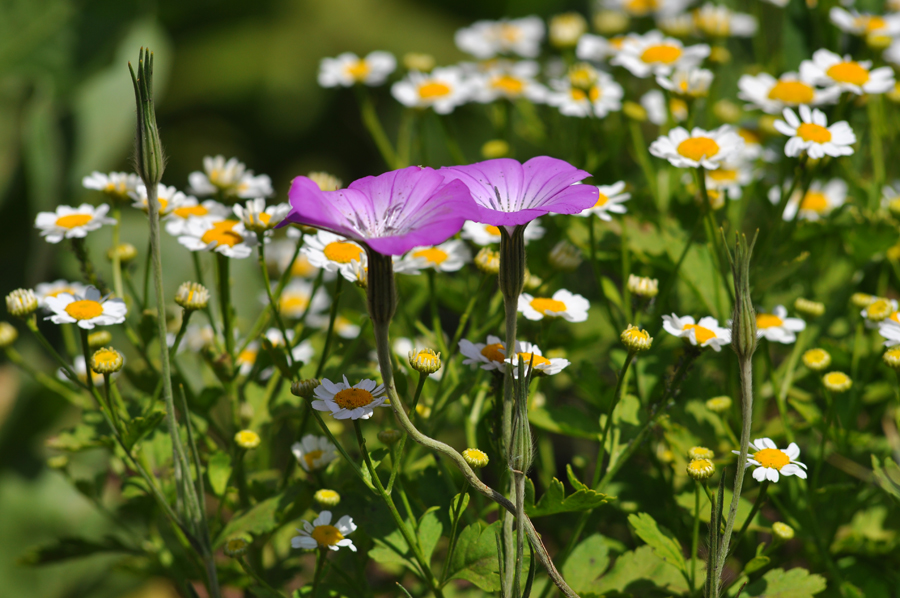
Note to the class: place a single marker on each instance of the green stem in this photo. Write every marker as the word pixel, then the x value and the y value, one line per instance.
pixel 339 447
pixel 320 566
pixel 273 303
pixel 32 326
pixel 456 517
pixel 673 276
pixel 617 395
pixel 116 262
pixel 757 505
pixel 397 464
pixel 89 374
pixel 329 334
pixel 782 402
pixel 224 280
pixel 185 318
pixel 643 158
pixel 876 126
pixel 49 383
pixel 695 537
pixel 373 124
pixel 435 313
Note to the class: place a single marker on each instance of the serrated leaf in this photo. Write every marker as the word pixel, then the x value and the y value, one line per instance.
pixel 663 543
pixel 80 438
pixel 573 479
pixel 73 548
pixel 218 470
pixel 567 420
pixel 139 427
pixel 475 558
pixel 554 500
pixel 429 532
pixel 756 563
pixel 393 549
pixel 589 559
pixel 642 573
pixel 778 583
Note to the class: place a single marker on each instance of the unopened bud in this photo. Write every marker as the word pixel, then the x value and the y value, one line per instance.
pixel 488 260
pixel 417 61
pixel 475 458
pixel 99 338
pixel 700 469
pixel 700 452
pixel 891 358
pixel 425 361
pixel 719 404
pixel 58 462
pixel 862 300
pixel 720 55
pixel 837 381
pixel 495 148
pixel 566 29
pixel 727 111
pixel 816 359
pixel 8 334
pixel 236 546
pixel 192 296
pixel 810 309
pixel 107 361
pixel 21 303
pixel 247 439
pixel 642 286
pixel 126 252
pixel 743 325
pixel 636 339
pixel 389 436
pixel 565 256
pixel 148 159
pixel 304 388
pixel 611 22
pixel 327 498
pixel 325 181
pixel 782 531
pixel 634 111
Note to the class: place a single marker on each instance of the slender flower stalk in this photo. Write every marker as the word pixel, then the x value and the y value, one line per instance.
pixel 329 334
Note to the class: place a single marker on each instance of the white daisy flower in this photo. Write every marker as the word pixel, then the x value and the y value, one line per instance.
pixel 771 461
pixel 510 81
pixel 228 237
pixel 278 258
pixel 256 217
pixel 677 25
pixel 295 299
pixel 880 310
pixel 654 102
pixel 890 329
pixel 586 92
pixel 88 310
pixel 776 327
pixel 753 148
pixel 530 354
pixel 693 83
pixel 81 371
pixel 443 89
pixel 827 68
pixel 892 54
pixel 230 177
pixel 655 54
pixel 594 48
pixel 563 304
pixel 117 185
pixel 333 253
pixel 642 8
pixel 321 534
pixel 708 149
pixel 730 177
pixel 819 201
pixel 609 201
pixel 488 356
pixel 862 24
pixel 706 333
pixel 349 402
pixel 177 219
pixel 302 352
pixel 246 359
pixel 771 95
pixel 314 452
pixel 45 290
pixel 720 21
pixel 348 69
pixel 71 223
pixel 813 135
pixel 449 256
pixel 343 327
pixel 486 39
pixel 169 199
pixel 487 234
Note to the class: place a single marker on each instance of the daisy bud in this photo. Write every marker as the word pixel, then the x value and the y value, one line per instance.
pixel 611 22
pixel 893 94
pixel 816 359
pixel 236 546
pixel 701 469
pixel 743 326
pixel 878 310
pixel 325 181
pixel 425 361
pixel 878 40
pixel 782 531
pixel 495 148
pixel 8 334
pixel 862 300
pixel 719 55
pixel 636 339
pixel 891 357
pixel 488 261
pixel 417 61
pixel 566 29
pixel 107 361
pixel 837 381
pixel 21 303
pixel 641 286
pixel 148 159
pixel 565 256
pixel 810 309
pixel 634 111
pixel 727 111
pixel 389 436
pixel 475 458
pixel 125 251
pixel 326 497
pixel 247 439
pixel 99 338
pixel 304 388
pixel 361 274
pixel 719 404
pixel 192 296
pixel 58 462
pixel 700 452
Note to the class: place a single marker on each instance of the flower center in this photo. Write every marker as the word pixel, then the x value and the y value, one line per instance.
pixel 326 535
pixel 773 458
pixel 582 77
pixel 508 84
pixel 543 305
pixel 538 359
pixel 311 457
pixel 878 310
pixel 247 356
pixel 700 333
pixel 84 309
pixel 73 220
pixel 722 175
pixel 221 234
pixel 871 23
pixel 662 53
pixel 302 267
pixel 432 255
pixel 105 357
pixel 594 93
pixel 358 70
pixel 578 94
pixel 293 303
pixel 351 398
pixel 768 321
pixel 814 201
pixel 848 72
pixel 492 230
pixel 641 7
pixel 792 92
pixel 188 211
pixel 433 90
pixel 697 148
pixel 813 132
pixel 836 378
pixel 601 201
pixel 342 252
pixel 494 352
pixel 816 356
pixel 749 136
pixel 115 188
pixel 509 33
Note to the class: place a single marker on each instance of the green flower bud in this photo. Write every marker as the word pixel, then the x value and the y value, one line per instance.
pixel 21 303
pixel 8 334
pixel 326 497
pixel 389 436
pixel 99 338
pixel 304 388
pixel 743 326
pixel 475 458
pixel 149 161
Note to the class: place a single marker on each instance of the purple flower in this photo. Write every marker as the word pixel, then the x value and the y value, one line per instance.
pixel 391 213
pixel 509 193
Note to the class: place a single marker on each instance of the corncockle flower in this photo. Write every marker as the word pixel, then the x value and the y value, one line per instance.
pixel 87 310
pixel 349 402
pixel 486 39
pixel 771 461
pixel 772 95
pixel 487 234
pixel 530 355
pixel 595 95
pixel 827 68
pixel 117 185
pixel 820 200
pixel 563 304
pixel 508 80
pixel 44 290
pixel 708 149
pixel 720 21
pixel 443 89
pixel 777 327
pixel 314 452
pixel 190 207
pixel 813 135
pixel 609 201
pixel 654 103
pixel 321 534
pixel 655 54
pixel 488 356
pixel 446 257
pixel 706 333
pixel 168 198
pixel 693 83
pixel 231 178
pixel 228 237
pixel 258 218
pixel 348 69
pixel 863 24
pixel 71 223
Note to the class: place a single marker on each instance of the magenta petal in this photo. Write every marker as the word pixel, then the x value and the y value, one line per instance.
pixel 327 210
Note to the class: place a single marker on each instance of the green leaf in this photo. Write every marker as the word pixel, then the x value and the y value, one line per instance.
pixel 641 573
pixel 887 477
pixel 567 420
pixel 778 583
pixel 429 532
pixel 663 543
pixel 73 548
pixel 589 559
pixel 686 501
pixel 756 563
pixel 80 438
pixel 139 427
pixel 475 558
pixel 377 456
pixel 554 500
pixel 219 471
pixel 611 292
pixel 262 518
pixel 809 411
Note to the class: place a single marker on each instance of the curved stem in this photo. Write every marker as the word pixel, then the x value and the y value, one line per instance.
pixel 116 261
pixel 320 566
pixel 224 280
pixel 329 335
pixel 757 505
pixel 273 303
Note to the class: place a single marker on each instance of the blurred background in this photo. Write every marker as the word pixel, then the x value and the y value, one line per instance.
pixel 233 77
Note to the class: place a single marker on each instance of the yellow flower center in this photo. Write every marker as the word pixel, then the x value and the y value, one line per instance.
pixel 433 90
pixel 773 458
pixel 879 310
pixel 293 304
pixel 351 398
pixel 247 437
pixel 342 252
pixel 814 201
pixel 816 356
pixel 723 175
pixel 358 70
pixel 768 321
pixel 836 379
pixel 700 465
pixel 84 309
pixel 247 356
pixel 641 7
pixel 792 92
pixel 813 132
pixel 543 305
pixel 508 84
pixel 105 357
pixel 60 292
pixel 222 234
pixel 326 535
pixel 492 230
pixel 582 76
pixel 538 360
pixel 311 457
pixel 697 148
pixel 302 267
pixel 870 23
pixel 494 352
pixel 601 201
pixel 578 94
pixel 188 211
pixel 749 136
pixel 432 255
pixel 73 220
pixel 115 188
pixel 661 53
pixel 700 333
pixel 848 72
pixel 508 33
